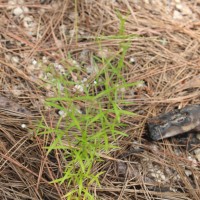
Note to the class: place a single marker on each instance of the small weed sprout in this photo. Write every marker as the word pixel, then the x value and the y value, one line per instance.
pixel 87 135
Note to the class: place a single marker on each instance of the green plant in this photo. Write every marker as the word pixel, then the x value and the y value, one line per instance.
pixel 86 135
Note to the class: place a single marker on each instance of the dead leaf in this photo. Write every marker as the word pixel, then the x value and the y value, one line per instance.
pixel 192 83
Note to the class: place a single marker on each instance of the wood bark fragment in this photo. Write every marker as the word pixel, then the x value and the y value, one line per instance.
pixel 175 122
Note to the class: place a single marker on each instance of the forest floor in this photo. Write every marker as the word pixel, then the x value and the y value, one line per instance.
pixel 79 80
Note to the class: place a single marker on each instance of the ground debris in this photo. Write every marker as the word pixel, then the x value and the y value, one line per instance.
pixel 44 39
pixel 12 106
